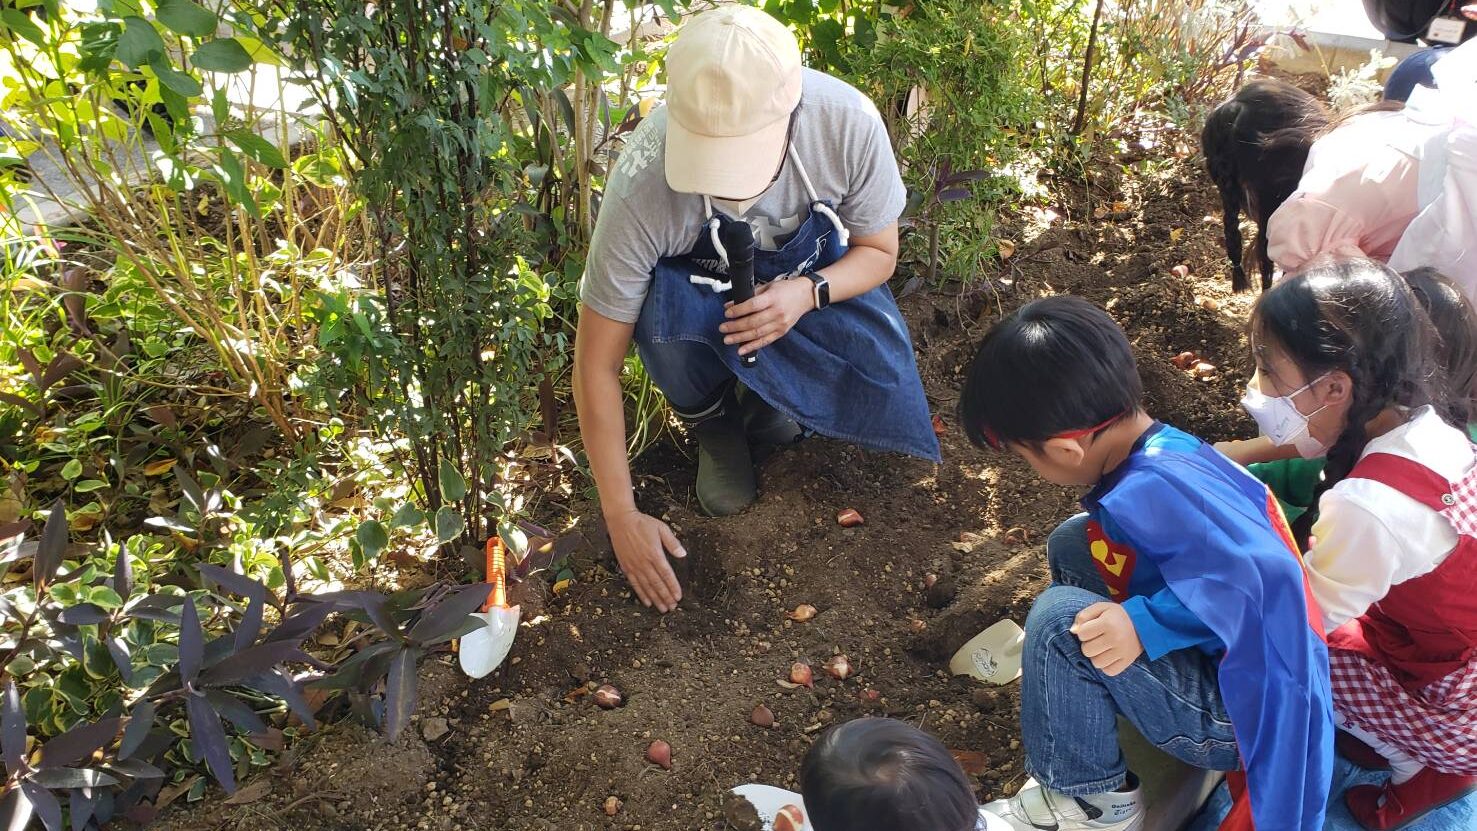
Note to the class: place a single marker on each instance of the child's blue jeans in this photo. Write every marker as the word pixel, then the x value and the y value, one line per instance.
pixel 1069 709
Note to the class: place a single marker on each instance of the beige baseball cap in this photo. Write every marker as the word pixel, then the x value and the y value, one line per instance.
pixel 733 79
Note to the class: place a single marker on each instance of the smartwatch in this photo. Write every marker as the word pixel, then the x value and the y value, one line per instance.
pixel 822 288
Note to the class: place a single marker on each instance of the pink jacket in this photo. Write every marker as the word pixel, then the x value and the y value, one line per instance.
pixel 1357 195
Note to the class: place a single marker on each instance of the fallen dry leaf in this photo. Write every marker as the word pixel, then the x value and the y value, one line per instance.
pixel 251 793
pixel 1006 249
pixel 160 467
pixel 1175 234
pixel 973 762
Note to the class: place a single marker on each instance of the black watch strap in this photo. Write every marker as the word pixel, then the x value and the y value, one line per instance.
pixel 821 287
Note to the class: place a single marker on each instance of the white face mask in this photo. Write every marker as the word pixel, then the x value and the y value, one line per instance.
pixel 1282 422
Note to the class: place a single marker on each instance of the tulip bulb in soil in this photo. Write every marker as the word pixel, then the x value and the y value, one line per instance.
pixel 789 818
pixel 849 518
pixel 802 613
pixel 761 716
pixel 612 806
pixel 659 753
pixel 839 667
pixel 607 697
pixel 800 673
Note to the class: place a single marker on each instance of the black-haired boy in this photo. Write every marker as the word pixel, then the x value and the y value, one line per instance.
pixel 1178 599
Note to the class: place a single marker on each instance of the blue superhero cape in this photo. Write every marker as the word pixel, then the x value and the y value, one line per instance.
pixel 1219 539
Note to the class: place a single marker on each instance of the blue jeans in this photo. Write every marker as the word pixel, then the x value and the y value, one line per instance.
pixel 1069 708
pixel 688 373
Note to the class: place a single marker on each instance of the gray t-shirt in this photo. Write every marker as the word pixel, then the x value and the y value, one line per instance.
pixel 842 143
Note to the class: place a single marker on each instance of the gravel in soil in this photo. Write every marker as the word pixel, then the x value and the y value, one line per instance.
pixel 943 551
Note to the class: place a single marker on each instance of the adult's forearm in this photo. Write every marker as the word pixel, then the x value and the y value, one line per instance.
pixel 597 397
pixel 860 270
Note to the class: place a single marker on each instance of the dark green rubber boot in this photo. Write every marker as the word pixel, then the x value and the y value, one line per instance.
pixel 766 426
pixel 725 470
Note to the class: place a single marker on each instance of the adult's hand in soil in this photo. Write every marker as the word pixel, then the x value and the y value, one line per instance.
pixel 768 316
pixel 642 544
pixel 1108 637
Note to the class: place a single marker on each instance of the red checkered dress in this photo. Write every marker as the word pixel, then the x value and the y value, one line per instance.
pixel 1407 670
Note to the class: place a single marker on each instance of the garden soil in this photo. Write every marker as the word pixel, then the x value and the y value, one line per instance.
pixel 944 551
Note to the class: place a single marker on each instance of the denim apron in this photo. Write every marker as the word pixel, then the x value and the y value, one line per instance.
pixel 846 371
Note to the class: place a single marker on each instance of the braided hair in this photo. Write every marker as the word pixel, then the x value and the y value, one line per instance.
pixel 1359 317
pixel 1255 146
pixel 1455 352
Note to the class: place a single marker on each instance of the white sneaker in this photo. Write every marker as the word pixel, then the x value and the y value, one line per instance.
pixel 1041 809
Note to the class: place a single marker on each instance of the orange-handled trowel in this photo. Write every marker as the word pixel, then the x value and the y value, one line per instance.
pixel 483 650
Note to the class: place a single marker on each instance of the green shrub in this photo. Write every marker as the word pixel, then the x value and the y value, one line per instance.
pixel 188 193
pixel 960 108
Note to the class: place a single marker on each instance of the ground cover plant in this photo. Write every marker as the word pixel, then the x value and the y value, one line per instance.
pixel 300 347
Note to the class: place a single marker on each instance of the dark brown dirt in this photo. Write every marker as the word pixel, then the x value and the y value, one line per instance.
pixel 529 750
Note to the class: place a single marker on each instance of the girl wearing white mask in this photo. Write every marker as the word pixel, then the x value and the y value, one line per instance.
pixel 1344 369
pixel 1293 478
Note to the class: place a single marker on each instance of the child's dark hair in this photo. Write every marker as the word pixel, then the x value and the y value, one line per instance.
pixel 1357 316
pixel 1255 146
pixel 1055 365
pixel 879 774
pixel 1455 324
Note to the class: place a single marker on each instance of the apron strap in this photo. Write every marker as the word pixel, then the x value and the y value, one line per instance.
pixel 815 202
pixel 714 224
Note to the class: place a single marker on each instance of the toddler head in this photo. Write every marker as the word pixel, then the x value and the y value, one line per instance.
pixel 879 774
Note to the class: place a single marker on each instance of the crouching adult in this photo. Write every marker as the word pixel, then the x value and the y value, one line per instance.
pixel 803 160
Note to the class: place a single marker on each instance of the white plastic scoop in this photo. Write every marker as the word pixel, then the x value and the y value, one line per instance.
pixel 993 655
pixel 483 650
pixel 768 800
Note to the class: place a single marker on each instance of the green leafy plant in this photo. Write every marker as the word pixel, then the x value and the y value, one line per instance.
pixel 441 127
pixel 960 109
pixel 132 109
